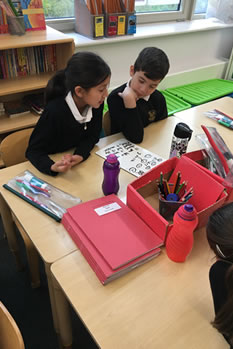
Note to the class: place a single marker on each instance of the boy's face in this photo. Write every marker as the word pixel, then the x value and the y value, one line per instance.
pixel 140 84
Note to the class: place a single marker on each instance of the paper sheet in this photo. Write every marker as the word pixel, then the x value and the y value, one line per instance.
pixel 133 159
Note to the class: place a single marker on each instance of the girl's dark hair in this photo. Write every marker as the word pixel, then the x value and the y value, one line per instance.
pixel 85 69
pixel 153 62
pixel 220 237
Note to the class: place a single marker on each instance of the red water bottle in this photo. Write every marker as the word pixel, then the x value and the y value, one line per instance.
pixel 180 238
pixel 111 169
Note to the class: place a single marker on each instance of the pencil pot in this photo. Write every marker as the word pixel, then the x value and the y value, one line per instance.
pixel 168 208
pixel 179 241
pixel 16 25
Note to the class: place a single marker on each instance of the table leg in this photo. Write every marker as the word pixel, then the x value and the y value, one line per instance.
pixel 63 316
pixel 51 296
pixel 9 228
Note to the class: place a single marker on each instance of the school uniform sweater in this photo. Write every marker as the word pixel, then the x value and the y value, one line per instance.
pixel 57 131
pixel 217 277
pixel 131 121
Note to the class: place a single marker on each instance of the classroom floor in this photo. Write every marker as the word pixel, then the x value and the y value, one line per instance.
pixel 31 307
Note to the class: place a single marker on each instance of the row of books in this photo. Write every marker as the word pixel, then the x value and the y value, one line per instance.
pixel 27 61
pixel 30 103
pixel 96 18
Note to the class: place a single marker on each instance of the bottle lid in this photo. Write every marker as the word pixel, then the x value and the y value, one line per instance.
pixel 187 212
pixel 112 158
pixel 182 130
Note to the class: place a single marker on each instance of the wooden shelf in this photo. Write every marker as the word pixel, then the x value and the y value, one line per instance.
pixel 16 88
pixel 17 123
pixel 24 83
pixel 34 38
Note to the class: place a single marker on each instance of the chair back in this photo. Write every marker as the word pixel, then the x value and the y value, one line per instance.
pixel 10 335
pixel 13 147
pixel 107 123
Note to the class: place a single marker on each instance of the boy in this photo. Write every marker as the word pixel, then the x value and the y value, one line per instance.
pixel 136 104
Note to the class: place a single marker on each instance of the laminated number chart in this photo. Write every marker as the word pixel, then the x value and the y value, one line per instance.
pixel 133 159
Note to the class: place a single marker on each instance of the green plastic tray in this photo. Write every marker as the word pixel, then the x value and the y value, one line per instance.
pixel 203 91
pixel 174 103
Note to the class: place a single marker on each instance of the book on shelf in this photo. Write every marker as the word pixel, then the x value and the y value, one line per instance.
pixel 3 22
pixel 33 13
pixel 35 102
pixel 16 108
pixel 112 238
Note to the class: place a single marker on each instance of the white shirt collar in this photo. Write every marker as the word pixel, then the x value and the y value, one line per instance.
pixel 86 116
pixel 146 98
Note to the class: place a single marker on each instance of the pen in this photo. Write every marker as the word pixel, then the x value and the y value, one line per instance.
pixel 45 191
pixel 225 124
pixel 228 116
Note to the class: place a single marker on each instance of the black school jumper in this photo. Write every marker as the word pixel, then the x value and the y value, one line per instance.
pixel 57 131
pixel 131 121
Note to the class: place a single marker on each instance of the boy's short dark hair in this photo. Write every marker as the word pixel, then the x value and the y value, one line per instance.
pixel 153 62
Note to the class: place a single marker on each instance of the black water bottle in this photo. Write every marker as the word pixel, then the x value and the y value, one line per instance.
pixel 181 137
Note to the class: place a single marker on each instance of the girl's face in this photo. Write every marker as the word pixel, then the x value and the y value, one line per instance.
pixel 95 96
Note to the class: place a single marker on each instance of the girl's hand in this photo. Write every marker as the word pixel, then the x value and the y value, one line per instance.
pixel 61 166
pixel 75 159
pixel 129 97
pixel 66 163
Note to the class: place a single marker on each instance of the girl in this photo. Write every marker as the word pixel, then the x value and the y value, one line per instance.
pixel 72 117
pixel 220 238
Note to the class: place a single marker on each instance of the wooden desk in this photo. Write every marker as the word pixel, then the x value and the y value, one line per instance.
pixel 160 305
pixel 195 117
pixel 50 238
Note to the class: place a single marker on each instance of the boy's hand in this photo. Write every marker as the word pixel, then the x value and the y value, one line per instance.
pixel 66 163
pixel 129 97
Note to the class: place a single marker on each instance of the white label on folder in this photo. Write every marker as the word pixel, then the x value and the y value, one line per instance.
pixel 107 209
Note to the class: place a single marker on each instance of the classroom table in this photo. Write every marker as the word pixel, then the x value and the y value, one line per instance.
pixel 161 304
pixel 84 181
pixel 195 117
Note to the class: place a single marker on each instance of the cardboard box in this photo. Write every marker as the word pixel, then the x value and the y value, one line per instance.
pixel 142 194
pixel 200 160
pixel 86 23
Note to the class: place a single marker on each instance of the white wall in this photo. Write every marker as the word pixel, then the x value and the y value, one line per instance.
pixel 194 56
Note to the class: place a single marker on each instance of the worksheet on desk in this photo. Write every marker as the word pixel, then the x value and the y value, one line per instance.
pixel 133 159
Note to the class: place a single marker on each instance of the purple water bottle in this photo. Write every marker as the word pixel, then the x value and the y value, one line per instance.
pixel 111 168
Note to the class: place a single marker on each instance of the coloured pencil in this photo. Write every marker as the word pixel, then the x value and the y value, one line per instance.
pixel 177 182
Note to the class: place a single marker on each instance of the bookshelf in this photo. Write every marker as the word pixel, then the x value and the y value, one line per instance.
pixel 17 87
